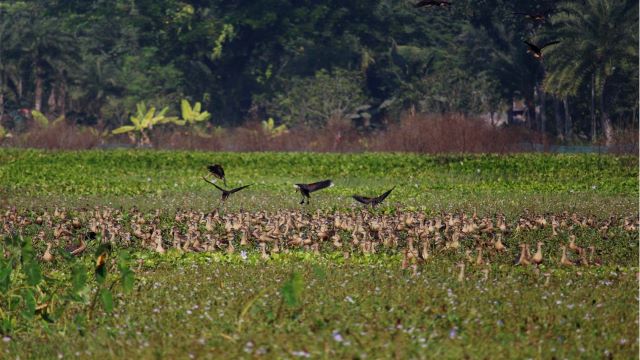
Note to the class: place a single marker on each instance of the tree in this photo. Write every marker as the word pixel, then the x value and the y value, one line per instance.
pixel 599 39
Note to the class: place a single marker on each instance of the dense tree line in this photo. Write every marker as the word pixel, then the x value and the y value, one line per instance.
pixel 303 62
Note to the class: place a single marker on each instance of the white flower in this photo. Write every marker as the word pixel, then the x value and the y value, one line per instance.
pixel 301 354
pixel 243 255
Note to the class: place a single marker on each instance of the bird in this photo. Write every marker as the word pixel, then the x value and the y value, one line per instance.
pixel 48 257
pixel 226 193
pixel 563 259
pixel 217 171
pixel 522 259
pixel 536 51
pixel 593 260
pixel 76 249
pixel 373 201
pixel 536 17
pixel 307 189
pixel 461 274
pixel 537 258
pixel 430 3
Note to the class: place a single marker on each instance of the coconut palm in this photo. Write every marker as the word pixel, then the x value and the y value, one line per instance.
pixel 599 39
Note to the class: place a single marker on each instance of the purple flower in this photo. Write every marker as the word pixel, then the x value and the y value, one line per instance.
pixel 336 336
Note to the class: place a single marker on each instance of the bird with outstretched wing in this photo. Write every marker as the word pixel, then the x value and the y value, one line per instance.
pixel 536 51
pixel 217 171
pixel 373 201
pixel 225 193
pixel 432 3
pixel 307 189
pixel 536 17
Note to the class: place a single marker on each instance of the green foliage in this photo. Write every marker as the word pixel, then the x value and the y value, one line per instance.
pixel 399 314
pixel 143 120
pixel 292 290
pixel 35 289
pixel 270 128
pixel 315 100
pixel 43 121
pixel 192 115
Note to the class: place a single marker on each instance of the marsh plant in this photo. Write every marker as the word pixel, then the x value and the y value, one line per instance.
pixel 31 291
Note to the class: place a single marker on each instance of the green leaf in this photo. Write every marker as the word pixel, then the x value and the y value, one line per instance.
pixel 29 304
pixel 292 289
pixel 185 108
pixel 107 300
pixel 40 118
pixel 32 271
pixel 5 274
pixel 126 274
pixel 30 266
pixel 78 277
pixel 123 129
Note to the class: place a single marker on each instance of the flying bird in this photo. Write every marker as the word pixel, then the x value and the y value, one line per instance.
pixel 430 3
pixel 373 201
pixel 537 17
pixel 225 193
pixel 217 171
pixel 307 189
pixel 536 51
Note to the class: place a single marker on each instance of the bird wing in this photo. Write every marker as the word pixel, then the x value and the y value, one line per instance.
pixel 362 199
pixel 549 44
pixel 216 170
pixel 214 184
pixel 532 46
pixel 423 3
pixel 319 185
pixel 238 189
pixel 381 198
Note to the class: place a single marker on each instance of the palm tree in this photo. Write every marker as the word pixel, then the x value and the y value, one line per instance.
pixel 599 38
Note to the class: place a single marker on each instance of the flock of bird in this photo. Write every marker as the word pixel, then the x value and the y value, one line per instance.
pixel 305 189
pixel 536 17
pixel 415 235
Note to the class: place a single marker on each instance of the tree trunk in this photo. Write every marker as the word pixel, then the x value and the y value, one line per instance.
pixel 37 103
pixel 593 108
pixel 605 120
pixel 61 100
pixel 51 101
pixel 558 118
pixel 3 85
pixel 543 115
pixel 568 125
pixel 536 109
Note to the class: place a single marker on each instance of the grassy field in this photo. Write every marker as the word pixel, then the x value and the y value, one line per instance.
pixel 266 277
pixel 169 180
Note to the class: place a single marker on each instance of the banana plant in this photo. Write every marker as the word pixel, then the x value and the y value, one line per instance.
pixel 192 115
pixel 271 129
pixel 43 121
pixel 143 120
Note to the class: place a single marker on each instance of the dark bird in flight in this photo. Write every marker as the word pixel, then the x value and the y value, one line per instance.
pixel 536 51
pixel 430 3
pixel 307 189
pixel 536 17
pixel 217 171
pixel 225 193
pixel 373 201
